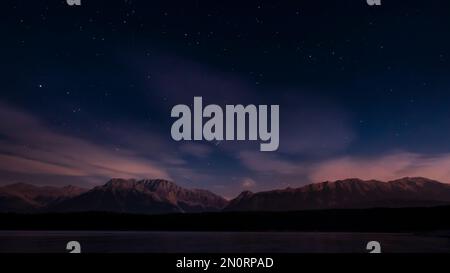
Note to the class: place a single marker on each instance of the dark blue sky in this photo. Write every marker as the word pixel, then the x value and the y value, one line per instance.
pixel 87 91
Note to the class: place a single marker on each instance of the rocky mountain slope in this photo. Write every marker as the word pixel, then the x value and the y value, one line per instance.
pixel 22 197
pixel 349 193
pixel 144 196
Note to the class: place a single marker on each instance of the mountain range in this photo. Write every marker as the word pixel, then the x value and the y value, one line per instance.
pixel 347 194
pixel 144 196
pixel 21 197
pixel 161 196
pixel 117 195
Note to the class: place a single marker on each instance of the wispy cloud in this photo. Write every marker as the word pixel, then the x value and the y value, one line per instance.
pixel 29 146
pixel 310 124
pixel 248 183
pixel 384 167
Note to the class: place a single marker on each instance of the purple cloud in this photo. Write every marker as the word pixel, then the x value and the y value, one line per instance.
pixel 29 146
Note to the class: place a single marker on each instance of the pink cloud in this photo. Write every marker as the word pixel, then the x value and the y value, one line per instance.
pixel 386 167
pixel 248 183
pixel 383 167
pixel 30 146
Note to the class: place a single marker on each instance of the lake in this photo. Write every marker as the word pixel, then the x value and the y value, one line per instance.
pixel 219 242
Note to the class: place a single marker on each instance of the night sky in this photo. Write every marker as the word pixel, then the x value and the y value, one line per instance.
pixel 86 92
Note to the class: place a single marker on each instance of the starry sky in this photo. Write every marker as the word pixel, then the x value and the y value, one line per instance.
pixel 87 91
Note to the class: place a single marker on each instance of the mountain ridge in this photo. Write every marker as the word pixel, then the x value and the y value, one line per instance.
pixel 150 196
pixel 156 196
pixel 22 197
pixel 348 193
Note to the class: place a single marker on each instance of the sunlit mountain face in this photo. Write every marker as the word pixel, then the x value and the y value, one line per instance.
pixel 87 94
